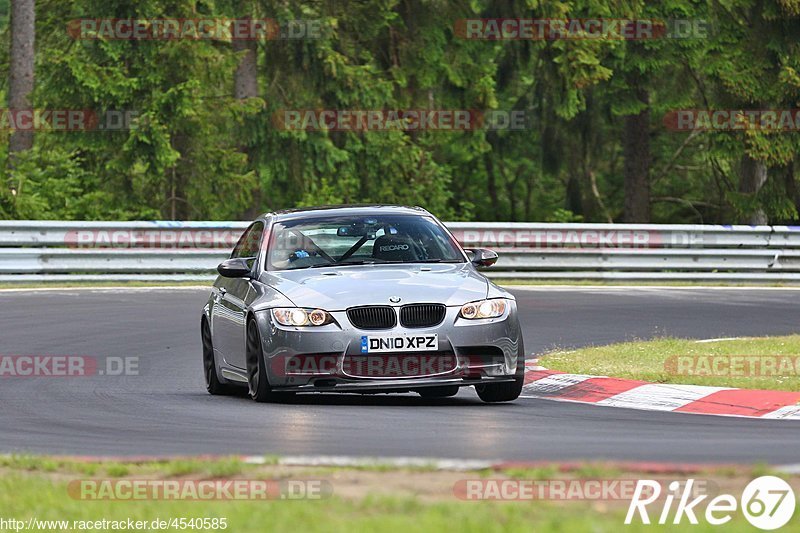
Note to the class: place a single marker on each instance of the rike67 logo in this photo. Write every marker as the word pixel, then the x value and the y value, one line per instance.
pixel 767 502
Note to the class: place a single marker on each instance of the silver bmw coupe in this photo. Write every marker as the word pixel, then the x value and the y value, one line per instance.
pixel 360 299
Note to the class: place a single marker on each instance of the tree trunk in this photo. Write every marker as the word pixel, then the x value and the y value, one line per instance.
pixel 177 206
pixel 491 184
pixel 574 194
pixel 636 148
pixel 511 190
pixel 20 83
pixel 245 85
pixel 791 187
pixel 245 81
pixel 753 175
pixel 528 196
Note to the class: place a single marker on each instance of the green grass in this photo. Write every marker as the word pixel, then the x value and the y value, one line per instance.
pixel 33 494
pixel 218 468
pixel 657 361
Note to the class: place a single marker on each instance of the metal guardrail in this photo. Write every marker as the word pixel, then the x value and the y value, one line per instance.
pixel 177 251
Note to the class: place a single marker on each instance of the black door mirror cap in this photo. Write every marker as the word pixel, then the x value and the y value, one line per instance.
pixel 482 257
pixel 234 268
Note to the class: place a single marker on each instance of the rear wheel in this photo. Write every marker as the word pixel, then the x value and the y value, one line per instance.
pixel 438 392
pixel 213 385
pixel 503 392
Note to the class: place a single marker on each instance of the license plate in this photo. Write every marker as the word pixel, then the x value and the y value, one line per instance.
pixel 399 343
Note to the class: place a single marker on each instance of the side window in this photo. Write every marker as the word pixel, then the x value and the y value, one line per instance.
pixel 248 245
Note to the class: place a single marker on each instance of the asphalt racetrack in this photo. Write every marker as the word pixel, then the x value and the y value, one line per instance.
pixel 165 410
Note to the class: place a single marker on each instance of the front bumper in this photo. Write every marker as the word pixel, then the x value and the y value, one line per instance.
pixel 399 385
pixel 329 358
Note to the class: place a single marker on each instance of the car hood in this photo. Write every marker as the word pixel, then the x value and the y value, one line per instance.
pixel 337 288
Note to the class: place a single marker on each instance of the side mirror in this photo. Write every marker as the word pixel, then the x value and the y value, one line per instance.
pixel 234 268
pixel 482 257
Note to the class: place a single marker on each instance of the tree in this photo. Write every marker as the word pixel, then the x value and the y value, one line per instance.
pixel 21 69
pixel 245 86
pixel 636 146
pixel 205 143
pixel 753 63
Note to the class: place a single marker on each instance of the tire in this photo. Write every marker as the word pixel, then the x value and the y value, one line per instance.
pixel 258 383
pixel 213 385
pixel 444 391
pixel 503 392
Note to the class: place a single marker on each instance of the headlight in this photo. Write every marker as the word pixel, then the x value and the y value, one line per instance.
pixel 484 309
pixel 296 316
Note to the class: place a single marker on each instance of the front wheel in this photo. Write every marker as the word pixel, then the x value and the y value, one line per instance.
pixel 503 392
pixel 257 381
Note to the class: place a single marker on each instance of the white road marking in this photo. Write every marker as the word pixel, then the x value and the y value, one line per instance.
pixel 554 383
pixel 397 462
pixel 660 397
pixel 791 412
pixel 788 469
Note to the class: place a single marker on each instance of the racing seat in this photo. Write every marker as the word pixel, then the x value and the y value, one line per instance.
pixel 396 247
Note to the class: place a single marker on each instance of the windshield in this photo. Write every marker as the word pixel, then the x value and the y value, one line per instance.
pixel 360 240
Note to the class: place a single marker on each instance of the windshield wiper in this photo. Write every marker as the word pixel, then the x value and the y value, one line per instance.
pixel 369 262
pixel 310 266
pixel 386 262
pixel 373 262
